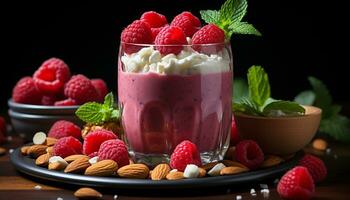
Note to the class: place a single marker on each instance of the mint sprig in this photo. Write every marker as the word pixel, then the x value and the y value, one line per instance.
pixel 259 101
pixel 229 18
pixel 96 113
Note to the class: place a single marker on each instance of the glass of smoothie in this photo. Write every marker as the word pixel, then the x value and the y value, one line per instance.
pixel 168 98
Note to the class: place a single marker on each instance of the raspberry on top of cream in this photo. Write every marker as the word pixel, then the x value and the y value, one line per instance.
pixel 187 62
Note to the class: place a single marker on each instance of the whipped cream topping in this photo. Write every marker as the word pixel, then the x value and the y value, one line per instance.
pixel 187 62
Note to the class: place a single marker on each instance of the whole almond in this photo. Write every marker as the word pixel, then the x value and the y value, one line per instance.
pixel 230 163
pixel 176 175
pixel 102 168
pixel 50 141
pixel 43 160
pixel 72 158
pixel 87 193
pixel 138 171
pixel 37 150
pixel 319 144
pixel 49 150
pixel 208 166
pixel 24 150
pixel 57 166
pixel 2 151
pixel 79 165
pixel 160 172
pixel 271 160
pixel 202 172
pixel 232 170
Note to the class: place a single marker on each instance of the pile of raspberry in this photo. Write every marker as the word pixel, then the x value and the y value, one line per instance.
pixel 53 85
pixel 184 29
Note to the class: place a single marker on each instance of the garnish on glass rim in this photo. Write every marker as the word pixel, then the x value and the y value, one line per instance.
pixel 259 101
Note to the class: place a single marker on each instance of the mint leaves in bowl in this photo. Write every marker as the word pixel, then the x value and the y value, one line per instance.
pixel 280 127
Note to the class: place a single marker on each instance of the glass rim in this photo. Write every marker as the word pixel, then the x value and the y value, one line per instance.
pixel 174 45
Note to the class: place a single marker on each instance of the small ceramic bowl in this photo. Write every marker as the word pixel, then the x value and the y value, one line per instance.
pixel 280 135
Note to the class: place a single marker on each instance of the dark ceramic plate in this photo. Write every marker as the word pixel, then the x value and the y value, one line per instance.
pixel 27 166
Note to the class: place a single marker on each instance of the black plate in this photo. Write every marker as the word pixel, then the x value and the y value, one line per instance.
pixel 27 166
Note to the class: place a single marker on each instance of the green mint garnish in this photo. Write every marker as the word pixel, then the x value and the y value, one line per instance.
pixel 259 101
pixel 229 18
pixel 97 113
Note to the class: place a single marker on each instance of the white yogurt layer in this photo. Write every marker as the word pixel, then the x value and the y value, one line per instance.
pixel 186 62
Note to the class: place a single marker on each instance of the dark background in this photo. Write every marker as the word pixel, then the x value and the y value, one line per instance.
pixel 300 38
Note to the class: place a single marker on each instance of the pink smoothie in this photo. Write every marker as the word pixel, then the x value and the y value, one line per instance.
pixel 160 111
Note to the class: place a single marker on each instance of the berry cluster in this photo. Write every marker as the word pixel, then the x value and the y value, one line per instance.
pixel 184 29
pixel 52 84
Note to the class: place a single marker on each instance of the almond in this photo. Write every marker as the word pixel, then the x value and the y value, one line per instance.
pixel 208 166
pixel 24 150
pixel 319 144
pixel 43 160
pixel 50 141
pixel 232 170
pixel 39 138
pixel 160 172
pixel 37 150
pixel 139 171
pixel 271 160
pixel 230 153
pixel 202 172
pixel 176 175
pixel 87 193
pixel 102 168
pixel 230 163
pixel 56 166
pixel 79 165
pixel 49 150
pixel 72 158
pixel 2 151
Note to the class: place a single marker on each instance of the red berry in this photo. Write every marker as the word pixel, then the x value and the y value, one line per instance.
pixel 51 76
pixel 66 102
pixel 91 155
pixel 187 22
pixel 185 153
pixel 101 87
pixel 296 184
pixel 315 166
pixel 173 36
pixel 48 100
pixel 155 31
pixel 114 150
pixel 67 146
pixel 2 130
pixel 80 89
pixel 26 92
pixel 208 34
pixel 154 19
pixel 95 138
pixel 234 133
pixel 138 32
pixel 63 128
pixel 249 154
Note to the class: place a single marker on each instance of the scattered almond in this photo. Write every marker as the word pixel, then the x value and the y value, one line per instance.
pixel 230 163
pixel 56 166
pixel 50 141
pixel 49 150
pixel 160 172
pixel 208 166
pixel 72 158
pixel 319 144
pixel 215 171
pixel 175 175
pixel 271 160
pixel 43 160
pixel 230 153
pixel 202 172
pixel 138 171
pixel 24 150
pixel 102 168
pixel 232 170
pixel 2 151
pixel 37 150
pixel 87 193
pixel 39 138
pixel 77 166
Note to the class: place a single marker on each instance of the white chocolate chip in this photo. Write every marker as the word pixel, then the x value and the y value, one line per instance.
pixel 59 198
pixel 215 171
pixel 39 138
pixel 58 159
pixel 93 160
pixel 37 187
pixel 173 170
pixel 191 171
pixel 115 197
pixel 238 197
pixel 252 191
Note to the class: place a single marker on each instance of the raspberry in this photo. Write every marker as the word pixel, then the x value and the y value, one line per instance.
pixel 249 154
pixel 185 153
pixel 66 102
pixel 114 150
pixel 297 183
pixel 234 133
pixel 63 128
pixel 138 32
pixel 95 138
pixel 80 89
pixel 48 100
pixel 2 130
pixel 154 19
pixel 187 22
pixel 91 155
pixel 26 92
pixel 67 146
pixel 315 166
pixel 155 31
pixel 101 87
pixel 173 36
pixel 51 76
pixel 208 34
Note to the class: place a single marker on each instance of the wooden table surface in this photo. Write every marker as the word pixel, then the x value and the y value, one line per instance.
pixel 14 185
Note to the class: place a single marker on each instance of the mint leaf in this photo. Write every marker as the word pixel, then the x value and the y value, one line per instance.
pixel 283 108
pixel 307 97
pixel 337 127
pixel 246 107
pixel 240 10
pixel 243 28
pixel 210 16
pixel 227 11
pixel 109 100
pixel 116 114
pixel 91 112
pixel 259 86
pixel 323 97
pixel 240 89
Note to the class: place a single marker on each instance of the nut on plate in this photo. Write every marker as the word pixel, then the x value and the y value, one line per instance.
pixel 138 171
pixel 78 166
pixel 102 168
pixel 175 175
pixel 160 171
pixel 232 170
pixel 37 150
